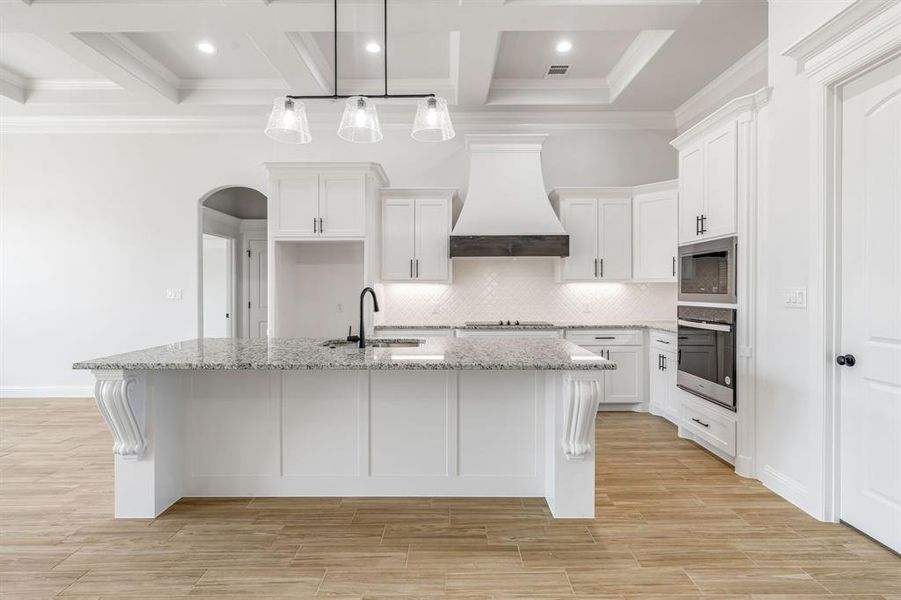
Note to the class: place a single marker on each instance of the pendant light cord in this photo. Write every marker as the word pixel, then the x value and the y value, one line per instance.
pixel 336 95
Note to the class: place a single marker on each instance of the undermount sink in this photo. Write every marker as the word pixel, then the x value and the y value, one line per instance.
pixel 378 343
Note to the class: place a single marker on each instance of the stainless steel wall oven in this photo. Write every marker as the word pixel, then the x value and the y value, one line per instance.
pixel 707 353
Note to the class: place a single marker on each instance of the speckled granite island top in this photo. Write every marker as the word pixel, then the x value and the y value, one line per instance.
pixel 309 354
pixel 655 325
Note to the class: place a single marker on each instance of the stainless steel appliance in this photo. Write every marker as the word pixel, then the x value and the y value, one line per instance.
pixel 509 323
pixel 707 272
pixel 707 353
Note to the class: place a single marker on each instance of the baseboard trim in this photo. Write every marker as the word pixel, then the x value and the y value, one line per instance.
pixel 787 487
pixel 46 391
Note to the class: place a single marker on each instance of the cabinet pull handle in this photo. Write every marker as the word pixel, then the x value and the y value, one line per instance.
pixel 663 342
pixel 703 224
pixel 700 422
pixel 602 267
pixel 659 362
pixel 663 356
pixel 698 225
pixel 314 225
pixel 417 268
pixel 595 267
pixel 605 337
pixel 674 266
pixel 411 268
pixel 321 228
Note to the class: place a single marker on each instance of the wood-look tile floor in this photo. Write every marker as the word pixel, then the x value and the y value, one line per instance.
pixel 672 522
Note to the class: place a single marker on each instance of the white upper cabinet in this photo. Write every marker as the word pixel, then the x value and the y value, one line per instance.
pixel 342 205
pixel 322 200
pixel 717 166
pixel 615 239
pixel 579 218
pixel 720 183
pixel 416 226
pixel 599 224
pixel 654 242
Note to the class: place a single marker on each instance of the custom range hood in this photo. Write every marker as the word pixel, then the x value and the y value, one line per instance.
pixel 507 212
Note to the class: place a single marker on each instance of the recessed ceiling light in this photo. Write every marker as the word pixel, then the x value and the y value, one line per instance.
pixel 206 47
pixel 373 48
pixel 564 46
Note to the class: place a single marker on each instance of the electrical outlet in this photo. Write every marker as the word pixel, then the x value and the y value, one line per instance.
pixel 340 308
pixel 586 308
pixel 173 294
pixel 436 308
pixel 794 297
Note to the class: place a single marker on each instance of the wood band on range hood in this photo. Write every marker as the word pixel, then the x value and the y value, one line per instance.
pixel 508 245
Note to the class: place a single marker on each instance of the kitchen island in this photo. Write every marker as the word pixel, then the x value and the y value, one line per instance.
pixel 308 417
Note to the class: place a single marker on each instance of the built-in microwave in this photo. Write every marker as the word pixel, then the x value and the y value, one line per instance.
pixel 706 356
pixel 707 272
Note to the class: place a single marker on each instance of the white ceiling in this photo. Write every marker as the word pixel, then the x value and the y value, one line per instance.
pixel 128 56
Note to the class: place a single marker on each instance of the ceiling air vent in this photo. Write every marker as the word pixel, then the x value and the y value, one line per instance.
pixel 556 71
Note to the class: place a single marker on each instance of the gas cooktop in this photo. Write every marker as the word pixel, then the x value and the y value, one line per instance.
pixel 509 323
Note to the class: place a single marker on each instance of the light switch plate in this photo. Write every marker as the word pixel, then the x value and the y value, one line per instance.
pixel 173 294
pixel 794 297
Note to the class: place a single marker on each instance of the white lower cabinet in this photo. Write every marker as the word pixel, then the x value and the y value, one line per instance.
pixel 708 424
pixel 662 365
pixel 625 384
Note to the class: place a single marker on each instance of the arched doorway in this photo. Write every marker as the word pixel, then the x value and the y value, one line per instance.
pixel 232 263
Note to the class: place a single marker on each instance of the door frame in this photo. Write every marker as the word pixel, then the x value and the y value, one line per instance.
pixel 857 40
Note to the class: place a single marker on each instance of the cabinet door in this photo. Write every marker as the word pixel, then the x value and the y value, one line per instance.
pixel 654 236
pixel 691 192
pixel 657 392
pixel 342 205
pixel 623 386
pixel 296 206
pixel 615 239
pixel 398 244
pixel 720 196
pixel 432 240
pixel 580 220
pixel 668 382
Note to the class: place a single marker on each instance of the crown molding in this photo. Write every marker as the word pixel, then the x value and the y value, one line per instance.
pixel 852 28
pixel 499 122
pixel 710 97
pixel 13 86
pixel 750 103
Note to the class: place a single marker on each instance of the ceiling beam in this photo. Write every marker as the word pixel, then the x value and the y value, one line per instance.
pixel 635 58
pixel 478 53
pixel 316 62
pixel 283 55
pixel 121 61
pixel 12 86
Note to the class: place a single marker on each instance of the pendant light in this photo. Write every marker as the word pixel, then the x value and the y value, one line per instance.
pixel 432 122
pixel 360 122
pixel 288 122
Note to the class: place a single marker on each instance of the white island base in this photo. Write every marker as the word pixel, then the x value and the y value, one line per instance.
pixel 479 433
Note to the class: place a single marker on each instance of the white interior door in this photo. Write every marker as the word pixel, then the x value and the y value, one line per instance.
pixel 870 441
pixel 398 245
pixel 580 220
pixel 217 286
pixel 258 308
pixel 432 240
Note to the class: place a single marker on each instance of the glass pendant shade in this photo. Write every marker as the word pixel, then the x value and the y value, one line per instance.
pixel 288 122
pixel 360 122
pixel 432 122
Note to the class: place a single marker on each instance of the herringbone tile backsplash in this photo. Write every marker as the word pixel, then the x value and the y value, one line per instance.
pixel 487 289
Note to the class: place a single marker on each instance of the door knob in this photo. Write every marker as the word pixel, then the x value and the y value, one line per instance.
pixel 846 360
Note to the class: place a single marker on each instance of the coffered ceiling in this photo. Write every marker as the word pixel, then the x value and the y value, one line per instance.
pixel 142 57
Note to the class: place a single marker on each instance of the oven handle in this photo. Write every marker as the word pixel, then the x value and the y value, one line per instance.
pixel 709 326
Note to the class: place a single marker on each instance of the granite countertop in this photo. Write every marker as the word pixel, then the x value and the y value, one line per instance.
pixel 552 354
pixel 669 326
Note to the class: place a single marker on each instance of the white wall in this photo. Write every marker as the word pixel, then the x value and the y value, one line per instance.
pixel 788 458
pixel 95 227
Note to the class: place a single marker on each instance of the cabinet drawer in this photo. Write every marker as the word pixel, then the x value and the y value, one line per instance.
pixel 708 423
pixel 663 340
pixel 605 337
